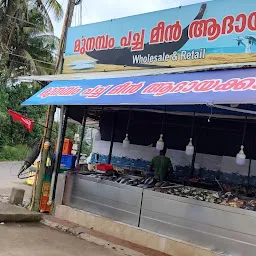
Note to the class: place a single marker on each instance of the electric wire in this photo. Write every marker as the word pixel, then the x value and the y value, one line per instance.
pixel 41 61
pixel 19 19
pixel 11 169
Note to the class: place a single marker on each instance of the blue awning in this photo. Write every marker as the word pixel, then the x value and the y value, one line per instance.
pixel 236 86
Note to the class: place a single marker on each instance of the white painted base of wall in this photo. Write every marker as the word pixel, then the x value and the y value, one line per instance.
pixel 132 234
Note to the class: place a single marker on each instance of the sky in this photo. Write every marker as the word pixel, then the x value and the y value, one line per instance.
pixel 100 10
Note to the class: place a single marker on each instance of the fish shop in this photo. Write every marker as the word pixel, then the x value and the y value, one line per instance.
pixel 174 154
pixel 200 123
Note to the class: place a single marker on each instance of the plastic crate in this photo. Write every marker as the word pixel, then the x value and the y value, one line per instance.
pixel 68 161
pixel 44 207
pixel 67 147
pixel 105 167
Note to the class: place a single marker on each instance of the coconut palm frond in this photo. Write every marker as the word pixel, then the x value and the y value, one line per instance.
pixel 27 37
pixel 56 8
pixel 28 57
pixel 41 19
pixel 50 40
pixel 52 6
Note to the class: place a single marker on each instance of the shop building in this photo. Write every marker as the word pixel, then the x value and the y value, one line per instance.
pixel 205 113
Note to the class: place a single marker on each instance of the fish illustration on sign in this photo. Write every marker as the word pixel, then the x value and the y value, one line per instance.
pixel 124 56
pixel 83 64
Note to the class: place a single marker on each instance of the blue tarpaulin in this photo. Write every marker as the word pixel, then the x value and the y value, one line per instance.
pixel 209 87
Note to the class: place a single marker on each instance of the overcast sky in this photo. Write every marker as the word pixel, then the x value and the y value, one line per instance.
pixel 100 10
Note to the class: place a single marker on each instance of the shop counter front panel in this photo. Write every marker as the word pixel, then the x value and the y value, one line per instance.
pixel 116 201
pixel 213 226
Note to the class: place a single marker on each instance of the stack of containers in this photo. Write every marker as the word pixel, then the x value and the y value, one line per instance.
pixel 67 160
pixel 67 163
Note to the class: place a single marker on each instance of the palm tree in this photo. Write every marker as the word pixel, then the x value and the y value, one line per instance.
pixel 8 8
pixel 33 47
pixel 26 34
pixel 15 11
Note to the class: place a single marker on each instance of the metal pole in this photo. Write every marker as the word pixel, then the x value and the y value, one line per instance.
pixel 58 150
pixel 45 152
pixel 112 138
pixel 250 163
pixel 81 138
pixel 249 173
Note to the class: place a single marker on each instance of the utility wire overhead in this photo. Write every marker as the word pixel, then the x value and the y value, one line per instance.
pixel 17 55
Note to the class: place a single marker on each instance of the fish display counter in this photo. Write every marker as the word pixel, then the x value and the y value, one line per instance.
pixel 118 197
pixel 223 195
pixel 98 194
pixel 192 214
pixel 207 223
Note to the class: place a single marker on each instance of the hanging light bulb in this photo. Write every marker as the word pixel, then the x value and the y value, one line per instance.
pixel 160 143
pixel 190 148
pixel 240 157
pixel 126 142
pixel 97 136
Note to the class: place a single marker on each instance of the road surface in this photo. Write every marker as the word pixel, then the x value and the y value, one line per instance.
pixel 36 239
pixel 30 239
pixel 8 180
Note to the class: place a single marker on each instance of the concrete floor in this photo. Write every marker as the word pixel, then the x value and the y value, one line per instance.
pixel 30 239
pixel 36 239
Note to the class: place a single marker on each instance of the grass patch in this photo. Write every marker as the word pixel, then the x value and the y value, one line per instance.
pixel 16 153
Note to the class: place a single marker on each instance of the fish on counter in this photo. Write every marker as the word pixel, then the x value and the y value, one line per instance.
pixel 118 180
pixel 229 198
pixel 149 183
pixel 159 184
pixel 221 198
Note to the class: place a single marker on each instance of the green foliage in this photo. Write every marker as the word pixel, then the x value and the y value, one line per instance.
pixel 11 134
pixel 86 148
pixel 17 152
pixel 72 129
pixel 27 46
pixel 14 133
pixel 27 40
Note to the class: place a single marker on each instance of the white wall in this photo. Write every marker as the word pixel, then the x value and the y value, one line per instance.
pixel 178 158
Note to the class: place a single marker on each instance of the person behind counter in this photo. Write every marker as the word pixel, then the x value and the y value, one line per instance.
pixel 161 166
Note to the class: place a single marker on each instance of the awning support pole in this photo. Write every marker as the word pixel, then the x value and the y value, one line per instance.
pixel 81 138
pixel 250 162
pixel 44 156
pixel 112 137
pixel 59 148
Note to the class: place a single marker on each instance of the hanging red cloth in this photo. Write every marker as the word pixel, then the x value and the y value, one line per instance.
pixel 27 122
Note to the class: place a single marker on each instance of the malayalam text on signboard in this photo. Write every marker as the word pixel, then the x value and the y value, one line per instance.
pixel 215 32
pixel 210 87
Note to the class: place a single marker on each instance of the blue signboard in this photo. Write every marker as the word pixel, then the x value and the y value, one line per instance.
pixel 217 87
pixel 215 32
